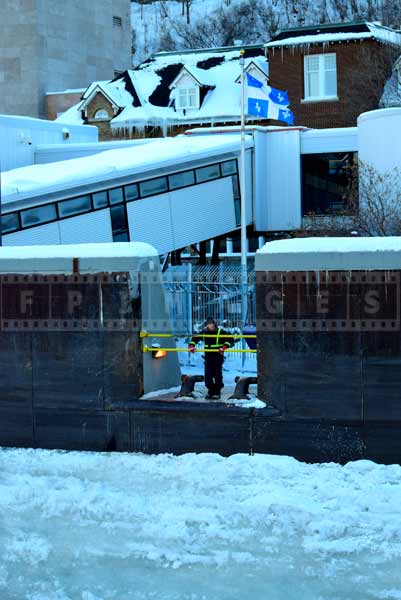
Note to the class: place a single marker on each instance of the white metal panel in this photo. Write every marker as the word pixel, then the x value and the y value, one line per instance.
pixel 202 211
pixel 20 135
pixel 380 140
pixel 35 236
pixel 150 221
pixel 283 180
pixel 316 141
pixel 259 181
pixel 93 227
pixel 249 185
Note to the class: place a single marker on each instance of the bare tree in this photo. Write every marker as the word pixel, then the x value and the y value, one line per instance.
pixel 372 207
pixel 367 77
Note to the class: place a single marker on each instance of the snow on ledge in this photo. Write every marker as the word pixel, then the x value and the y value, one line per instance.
pixel 375 31
pixel 335 253
pixel 93 258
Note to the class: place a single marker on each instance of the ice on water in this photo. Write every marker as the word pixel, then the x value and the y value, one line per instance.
pixel 90 526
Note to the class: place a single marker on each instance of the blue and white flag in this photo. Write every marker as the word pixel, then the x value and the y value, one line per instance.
pixel 267 102
pixel 286 115
pixel 279 97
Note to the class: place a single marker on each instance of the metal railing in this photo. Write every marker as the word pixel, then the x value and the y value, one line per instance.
pixel 194 293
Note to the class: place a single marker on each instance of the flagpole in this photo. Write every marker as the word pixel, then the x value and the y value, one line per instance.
pixel 244 266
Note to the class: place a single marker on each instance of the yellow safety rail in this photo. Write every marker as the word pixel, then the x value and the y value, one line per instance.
pixel 238 336
pixel 156 348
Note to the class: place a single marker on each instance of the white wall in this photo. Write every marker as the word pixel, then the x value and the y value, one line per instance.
pixel 277 180
pixel 19 137
pixel 379 138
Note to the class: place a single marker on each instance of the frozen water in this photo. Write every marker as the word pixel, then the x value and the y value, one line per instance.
pixel 88 526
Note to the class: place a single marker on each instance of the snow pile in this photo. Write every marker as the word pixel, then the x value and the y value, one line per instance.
pixel 88 526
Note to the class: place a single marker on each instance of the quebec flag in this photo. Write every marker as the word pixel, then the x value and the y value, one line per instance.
pixel 267 102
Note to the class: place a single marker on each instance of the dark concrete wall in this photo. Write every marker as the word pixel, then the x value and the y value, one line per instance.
pixel 329 344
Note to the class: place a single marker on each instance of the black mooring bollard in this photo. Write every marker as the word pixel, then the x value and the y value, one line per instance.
pixel 242 387
pixel 188 384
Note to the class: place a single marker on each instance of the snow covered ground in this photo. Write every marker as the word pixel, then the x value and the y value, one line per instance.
pixel 88 526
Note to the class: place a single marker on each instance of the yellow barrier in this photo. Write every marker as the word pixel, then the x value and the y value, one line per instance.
pixel 156 348
pixel 238 336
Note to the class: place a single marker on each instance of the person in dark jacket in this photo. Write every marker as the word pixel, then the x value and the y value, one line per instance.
pixel 220 342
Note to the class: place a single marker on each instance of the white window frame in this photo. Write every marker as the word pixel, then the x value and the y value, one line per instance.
pixel 187 92
pixel 321 78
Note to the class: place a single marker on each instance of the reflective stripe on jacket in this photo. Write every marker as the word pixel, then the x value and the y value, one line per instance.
pixel 215 342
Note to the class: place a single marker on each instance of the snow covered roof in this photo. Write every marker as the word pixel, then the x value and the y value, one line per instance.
pixel 145 95
pixel 327 34
pixel 331 254
pixel 93 258
pixel 37 180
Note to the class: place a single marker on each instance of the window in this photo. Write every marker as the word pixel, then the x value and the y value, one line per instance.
pixel 237 200
pixel 74 206
pixel 188 97
pixel 326 180
pixel 320 72
pixel 179 180
pixel 229 167
pixel 153 186
pixel 101 114
pixel 99 200
pixel 131 192
pixel 119 223
pixel 9 222
pixel 207 173
pixel 117 21
pixel 116 196
pixel 41 214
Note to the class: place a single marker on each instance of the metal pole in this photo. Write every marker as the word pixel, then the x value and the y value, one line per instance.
pixel 244 269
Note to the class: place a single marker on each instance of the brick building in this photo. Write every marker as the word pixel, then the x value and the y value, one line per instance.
pixel 333 72
pixel 169 93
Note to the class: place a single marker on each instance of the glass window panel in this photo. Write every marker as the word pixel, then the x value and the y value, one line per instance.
pixel 311 63
pixel 131 192
pixel 99 199
pixel 312 85
pixel 188 97
pixel 74 206
pixel 207 173
pixel 330 83
pixel 118 218
pixel 41 214
pixel 153 186
pixel 9 222
pixel 179 180
pixel 116 195
pixel 121 237
pixel 235 186
pixel 330 62
pixel 229 167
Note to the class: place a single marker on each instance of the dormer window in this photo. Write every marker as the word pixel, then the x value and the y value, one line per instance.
pixel 101 114
pixel 187 98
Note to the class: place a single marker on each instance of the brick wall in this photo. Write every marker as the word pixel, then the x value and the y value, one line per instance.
pixel 59 103
pixel 356 92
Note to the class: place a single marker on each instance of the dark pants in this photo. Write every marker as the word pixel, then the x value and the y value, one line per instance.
pixel 214 372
